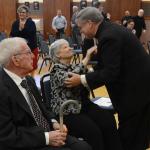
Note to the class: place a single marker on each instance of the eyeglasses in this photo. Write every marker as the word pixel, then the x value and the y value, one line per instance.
pixel 27 52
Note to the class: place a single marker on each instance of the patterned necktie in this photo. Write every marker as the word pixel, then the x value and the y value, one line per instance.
pixel 38 116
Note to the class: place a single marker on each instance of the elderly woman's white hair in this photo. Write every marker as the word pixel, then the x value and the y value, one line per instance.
pixel 54 49
pixel 10 47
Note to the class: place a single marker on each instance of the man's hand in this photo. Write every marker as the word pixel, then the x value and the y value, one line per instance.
pixel 73 80
pixel 56 126
pixel 55 30
pixel 57 138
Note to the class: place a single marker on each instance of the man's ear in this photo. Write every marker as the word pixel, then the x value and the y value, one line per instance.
pixel 16 60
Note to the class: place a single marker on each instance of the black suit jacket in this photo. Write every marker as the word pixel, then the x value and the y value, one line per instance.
pixel 123 67
pixel 18 129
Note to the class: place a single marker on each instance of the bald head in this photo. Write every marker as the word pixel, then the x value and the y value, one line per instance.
pixel 141 13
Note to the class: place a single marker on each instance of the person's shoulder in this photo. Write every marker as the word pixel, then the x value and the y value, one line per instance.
pixel 63 17
pixel 15 22
pixel 30 21
pixel 55 17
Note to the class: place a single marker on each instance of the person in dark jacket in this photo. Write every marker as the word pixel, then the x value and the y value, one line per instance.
pixel 140 25
pixel 25 27
pixel 124 68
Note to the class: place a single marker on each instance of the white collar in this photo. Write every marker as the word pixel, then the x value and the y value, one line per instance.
pixel 14 77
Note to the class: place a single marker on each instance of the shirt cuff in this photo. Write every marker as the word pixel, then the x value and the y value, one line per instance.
pixel 54 121
pixel 84 82
pixel 47 138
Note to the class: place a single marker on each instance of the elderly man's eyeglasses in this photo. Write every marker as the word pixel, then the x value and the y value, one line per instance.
pixel 27 52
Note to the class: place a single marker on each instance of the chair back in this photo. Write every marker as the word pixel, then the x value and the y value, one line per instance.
pixel 45 89
pixel 44 48
pixel 51 39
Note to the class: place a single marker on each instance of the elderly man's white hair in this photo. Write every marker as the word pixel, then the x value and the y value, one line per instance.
pixel 54 49
pixel 10 47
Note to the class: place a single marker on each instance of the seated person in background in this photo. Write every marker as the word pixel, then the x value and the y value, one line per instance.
pixel 130 26
pixel 97 126
pixel 25 124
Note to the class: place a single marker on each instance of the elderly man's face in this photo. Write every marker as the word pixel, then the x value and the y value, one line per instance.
pixel 87 28
pixel 24 59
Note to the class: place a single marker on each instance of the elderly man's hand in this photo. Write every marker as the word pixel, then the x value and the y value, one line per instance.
pixel 73 80
pixel 56 126
pixel 57 138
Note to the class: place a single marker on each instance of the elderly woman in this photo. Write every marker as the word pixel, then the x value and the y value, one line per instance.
pixel 25 27
pixel 95 125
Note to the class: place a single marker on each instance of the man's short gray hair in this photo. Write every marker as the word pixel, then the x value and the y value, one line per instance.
pixel 10 47
pixel 54 49
pixel 90 13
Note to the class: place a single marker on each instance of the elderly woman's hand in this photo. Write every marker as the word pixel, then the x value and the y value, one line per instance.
pixel 92 50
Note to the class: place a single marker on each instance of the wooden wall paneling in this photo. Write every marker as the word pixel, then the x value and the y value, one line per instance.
pixel 7 14
pixel 1 16
pixel 117 7
pixel 50 10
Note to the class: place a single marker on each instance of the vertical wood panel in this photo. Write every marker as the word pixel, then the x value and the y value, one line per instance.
pixel 1 16
pixel 50 10
pixel 7 14
pixel 117 7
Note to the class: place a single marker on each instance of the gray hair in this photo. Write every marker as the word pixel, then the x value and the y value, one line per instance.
pixel 54 49
pixel 23 7
pixel 90 13
pixel 10 47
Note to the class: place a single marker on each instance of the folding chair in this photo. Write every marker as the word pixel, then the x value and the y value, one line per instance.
pixel 45 55
pixel 45 89
pixel 51 39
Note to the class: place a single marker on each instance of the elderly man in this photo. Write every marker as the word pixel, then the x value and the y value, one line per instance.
pixel 25 123
pixel 124 68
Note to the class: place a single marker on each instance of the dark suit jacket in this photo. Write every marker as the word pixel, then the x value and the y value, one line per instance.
pixel 123 67
pixel 18 129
